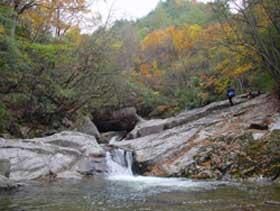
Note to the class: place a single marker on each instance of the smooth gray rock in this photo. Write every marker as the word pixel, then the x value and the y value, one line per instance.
pixel 149 127
pixel 89 166
pixel 145 128
pixel 39 157
pixel 86 167
pixel 169 147
pixel 84 143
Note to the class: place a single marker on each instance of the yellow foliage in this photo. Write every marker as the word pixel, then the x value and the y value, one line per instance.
pixel 2 29
pixel 221 85
pixel 263 19
pixel 182 38
pixel 60 15
pixel 187 42
pixel 194 31
pixel 155 38
pixel 74 35
pixel 185 37
pixel 243 69
pixel 117 45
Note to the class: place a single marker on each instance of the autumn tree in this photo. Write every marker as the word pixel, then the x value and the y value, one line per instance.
pixel 255 24
pixel 34 71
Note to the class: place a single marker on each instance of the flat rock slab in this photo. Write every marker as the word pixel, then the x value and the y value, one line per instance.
pixel 34 158
pixel 168 147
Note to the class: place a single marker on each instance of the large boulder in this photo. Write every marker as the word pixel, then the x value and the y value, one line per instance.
pixel 39 157
pixel 144 128
pixel 85 144
pixel 88 127
pixel 121 120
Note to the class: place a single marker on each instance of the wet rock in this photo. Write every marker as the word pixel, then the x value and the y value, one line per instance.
pixel 226 177
pixel 91 166
pixel 86 167
pixel 155 150
pixel 5 167
pixel 6 184
pixel 69 175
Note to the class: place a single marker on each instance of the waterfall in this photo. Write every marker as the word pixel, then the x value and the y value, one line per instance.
pixel 119 163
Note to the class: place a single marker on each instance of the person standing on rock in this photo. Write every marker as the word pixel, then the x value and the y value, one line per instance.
pixel 230 95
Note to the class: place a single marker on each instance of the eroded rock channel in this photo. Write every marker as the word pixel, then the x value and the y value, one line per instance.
pixel 213 142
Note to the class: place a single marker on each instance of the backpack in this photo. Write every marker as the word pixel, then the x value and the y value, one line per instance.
pixel 231 93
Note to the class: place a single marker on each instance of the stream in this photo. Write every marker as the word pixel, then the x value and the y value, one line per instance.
pixel 121 190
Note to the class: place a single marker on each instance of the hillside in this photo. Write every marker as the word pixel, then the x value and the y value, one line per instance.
pixel 176 13
pixel 182 55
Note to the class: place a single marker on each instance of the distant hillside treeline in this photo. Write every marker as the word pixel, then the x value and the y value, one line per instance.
pixel 183 54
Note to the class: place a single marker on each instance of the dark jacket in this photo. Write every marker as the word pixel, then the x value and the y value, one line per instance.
pixel 230 92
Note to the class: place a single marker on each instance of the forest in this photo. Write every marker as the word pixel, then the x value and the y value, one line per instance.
pixel 182 55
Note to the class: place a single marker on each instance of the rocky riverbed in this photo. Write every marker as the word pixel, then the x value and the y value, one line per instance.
pixel 213 142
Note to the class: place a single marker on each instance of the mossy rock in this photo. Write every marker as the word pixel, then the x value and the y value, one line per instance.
pixel 274 137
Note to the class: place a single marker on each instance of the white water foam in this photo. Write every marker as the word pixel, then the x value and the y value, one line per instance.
pixel 120 162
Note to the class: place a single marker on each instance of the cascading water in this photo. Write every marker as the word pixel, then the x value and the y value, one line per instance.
pixel 119 163
pixel 119 168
